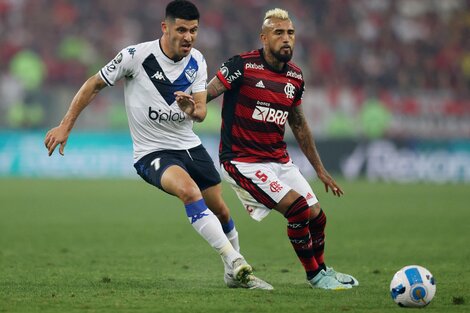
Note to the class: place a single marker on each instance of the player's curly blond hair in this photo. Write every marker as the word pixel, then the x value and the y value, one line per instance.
pixel 277 13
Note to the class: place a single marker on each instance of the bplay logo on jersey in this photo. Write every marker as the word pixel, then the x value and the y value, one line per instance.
pixel 166 116
pixel 270 115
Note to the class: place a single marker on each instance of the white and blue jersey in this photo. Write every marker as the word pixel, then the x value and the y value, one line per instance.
pixel 155 121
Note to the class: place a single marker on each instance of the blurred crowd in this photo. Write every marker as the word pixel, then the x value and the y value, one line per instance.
pixel 49 47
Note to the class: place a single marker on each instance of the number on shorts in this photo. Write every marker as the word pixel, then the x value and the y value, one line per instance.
pixel 263 177
pixel 156 163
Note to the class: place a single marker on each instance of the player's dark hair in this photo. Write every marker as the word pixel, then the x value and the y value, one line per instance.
pixel 182 9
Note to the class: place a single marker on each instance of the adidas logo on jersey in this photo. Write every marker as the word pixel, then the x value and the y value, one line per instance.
pixel 158 75
pixel 270 115
pixel 260 84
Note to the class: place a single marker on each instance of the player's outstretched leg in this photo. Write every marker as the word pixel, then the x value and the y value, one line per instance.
pixel 240 275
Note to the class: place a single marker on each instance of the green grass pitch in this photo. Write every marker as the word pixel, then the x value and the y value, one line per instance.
pixel 124 246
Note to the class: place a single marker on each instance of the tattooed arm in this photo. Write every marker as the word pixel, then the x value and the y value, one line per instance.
pixel 304 137
pixel 215 89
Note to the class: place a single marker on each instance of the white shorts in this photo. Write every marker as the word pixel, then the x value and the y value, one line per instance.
pixel 261 186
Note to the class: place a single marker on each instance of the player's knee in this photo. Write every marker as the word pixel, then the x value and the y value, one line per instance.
pixel 315 210
pixel 287 201
pixel 298 210
pixel 189 193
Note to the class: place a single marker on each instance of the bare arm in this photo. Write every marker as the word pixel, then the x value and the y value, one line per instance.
pixel 215 89
pixel 59 135
pixel 304 137
pixel 194 105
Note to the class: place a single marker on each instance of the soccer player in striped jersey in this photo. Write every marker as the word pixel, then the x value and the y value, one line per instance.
pixel 165 91
pixel 262 92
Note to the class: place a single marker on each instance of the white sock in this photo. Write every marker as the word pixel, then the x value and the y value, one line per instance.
pixel 231 233
pixel 232 236
pixel 208 226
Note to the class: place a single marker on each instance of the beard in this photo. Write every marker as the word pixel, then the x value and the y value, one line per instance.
pixel 282 57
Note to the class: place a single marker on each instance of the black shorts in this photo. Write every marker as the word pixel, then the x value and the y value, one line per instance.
pixel 195 161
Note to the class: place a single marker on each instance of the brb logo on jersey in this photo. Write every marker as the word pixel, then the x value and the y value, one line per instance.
pixel 270 115
pixel 164 117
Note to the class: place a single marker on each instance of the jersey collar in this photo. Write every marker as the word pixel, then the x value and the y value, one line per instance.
pixel 166 58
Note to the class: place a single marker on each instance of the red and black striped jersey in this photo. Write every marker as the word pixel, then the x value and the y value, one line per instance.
pixel 256 107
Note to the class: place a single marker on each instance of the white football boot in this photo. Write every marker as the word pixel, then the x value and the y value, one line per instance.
pixel 324 281
pixel 241 276
pixel 345 279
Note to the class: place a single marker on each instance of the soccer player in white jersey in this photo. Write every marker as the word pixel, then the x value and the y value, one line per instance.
pixel 159 77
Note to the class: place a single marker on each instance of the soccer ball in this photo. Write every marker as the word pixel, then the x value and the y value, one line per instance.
pixel 412 286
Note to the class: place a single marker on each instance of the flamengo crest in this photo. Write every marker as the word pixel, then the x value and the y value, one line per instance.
pixel 289 90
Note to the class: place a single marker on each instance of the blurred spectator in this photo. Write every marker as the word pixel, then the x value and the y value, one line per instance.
pixel 404 47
